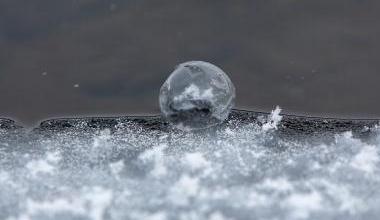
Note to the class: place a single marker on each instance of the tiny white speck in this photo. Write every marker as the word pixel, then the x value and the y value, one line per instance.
pixel 76 85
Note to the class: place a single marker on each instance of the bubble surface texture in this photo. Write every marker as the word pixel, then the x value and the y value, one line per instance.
pixel 196 95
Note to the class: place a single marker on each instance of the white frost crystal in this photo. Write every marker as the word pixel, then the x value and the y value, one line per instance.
pixel 197 95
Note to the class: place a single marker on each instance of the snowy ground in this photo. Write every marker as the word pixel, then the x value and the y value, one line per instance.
pixel 235 172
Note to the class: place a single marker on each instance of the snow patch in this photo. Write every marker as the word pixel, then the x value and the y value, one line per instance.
pixel 195 160
pixel 184 189
pixel 92 204
pixel 366 160
pixel 156 157
pixel 44 166
pixel 303 204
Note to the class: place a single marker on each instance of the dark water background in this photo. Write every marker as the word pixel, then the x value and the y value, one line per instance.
pixel 110 57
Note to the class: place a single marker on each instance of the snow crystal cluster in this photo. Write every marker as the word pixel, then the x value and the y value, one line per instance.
pixel 236 172
pixel 196 95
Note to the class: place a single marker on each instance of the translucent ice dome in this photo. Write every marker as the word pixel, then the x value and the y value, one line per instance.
pixel 235 172
pixel 196 95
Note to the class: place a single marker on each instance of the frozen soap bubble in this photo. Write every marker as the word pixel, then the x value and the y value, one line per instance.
pixel 196 95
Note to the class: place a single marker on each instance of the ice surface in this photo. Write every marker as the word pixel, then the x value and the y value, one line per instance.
pixel 196 95
pixel 237 171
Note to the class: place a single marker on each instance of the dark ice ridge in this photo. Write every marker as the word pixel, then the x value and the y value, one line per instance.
pixel 289 125
pixel 8 124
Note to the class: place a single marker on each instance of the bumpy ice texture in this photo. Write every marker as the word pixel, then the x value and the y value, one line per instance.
pixel 233 172
pixel 196 95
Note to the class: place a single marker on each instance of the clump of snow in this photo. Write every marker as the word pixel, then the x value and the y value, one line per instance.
pixel 348 203
pixel 91 203
pixel 279 184
pixel 217 216
pixel 366 160
pixel 195 160
pixel 4 176
pixel 40 166
pixel 97 201
pixel 156 216
pixel 156 157
pixel 303 204
pixel 101 137
pixel 184 189
pixel 273 120
pixel 44 166
pixel 117 167
pixel 52 208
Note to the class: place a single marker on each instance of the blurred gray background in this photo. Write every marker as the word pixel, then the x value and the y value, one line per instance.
pixel 110 57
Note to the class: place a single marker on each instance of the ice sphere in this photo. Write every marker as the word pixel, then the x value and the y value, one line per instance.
pixel 196 95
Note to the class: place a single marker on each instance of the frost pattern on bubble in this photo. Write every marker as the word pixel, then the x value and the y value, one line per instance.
pixel 196 95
